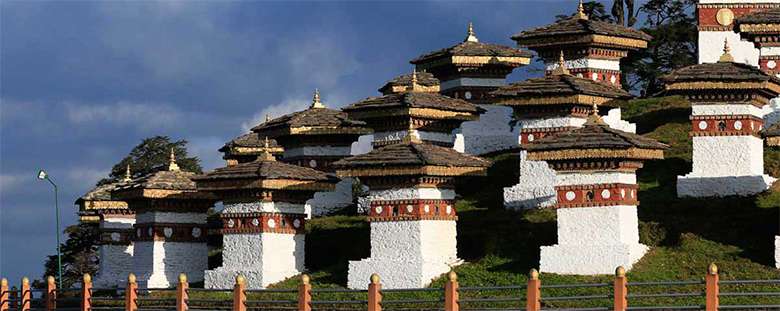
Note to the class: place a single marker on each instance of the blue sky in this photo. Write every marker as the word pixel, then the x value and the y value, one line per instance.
pixel 82 82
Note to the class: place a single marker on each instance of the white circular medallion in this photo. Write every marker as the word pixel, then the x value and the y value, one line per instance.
pixel 467 95
pixel 168 232
pixel 231 223
pixel 605 193
pixel 296 223
pixel 530 137
pixel 138 232
pixel 622 193
pixel 312 163
pixel 702 125
pixel 115 236
pixel 378 210
pixel 255 222
pixel 409 208
pixel 449 209
pixel 196 232
pixel 579 75
pixel 633 193
pixel 737 125
pixel 570 195
pixel 613 79
pixel 271 223
pixel 771 64
pixel 595 76
pixel 752 126
pixel 150 231
pixel 427 208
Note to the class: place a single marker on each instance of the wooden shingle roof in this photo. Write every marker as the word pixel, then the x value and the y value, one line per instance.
pixel 770 16
pixel 415 100
pixel 468 48
pixel 720 71
pixel 424 79
pixel 261 169
pixel 579 27
pixel 559 85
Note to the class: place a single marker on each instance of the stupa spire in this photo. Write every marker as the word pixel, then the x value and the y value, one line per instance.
pixel 470 35
pixel 581 11
pixel 594 117
pixel 315 102
pixel 561 69
pixel 726 57
pixel 172 166
pixel 267 117
pixel 128 176
pixel 266 155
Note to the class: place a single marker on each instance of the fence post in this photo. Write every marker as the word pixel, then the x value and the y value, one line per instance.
pixel 4 297
pixel 451 292
pixel 239 294
pixel 621 289
pixel 712 290
pixel 374 295
pixel 533 292
pixel 26 295
pixel 51 293
pixel 131 293
pixel 86 292
pixel 181 293
pixel 304 294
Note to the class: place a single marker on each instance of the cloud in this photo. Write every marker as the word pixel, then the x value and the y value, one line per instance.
pixel 289 105
pixel 85 175
pixel 124 113
pixel 9 182
pixel 205 148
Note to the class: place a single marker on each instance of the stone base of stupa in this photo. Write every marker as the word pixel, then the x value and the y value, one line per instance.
pixel 222 278
pixel 536 188
pixel 491 132
pixel 330 202
pixel 398 273
pixel 589 259
pixel 158 264
pixel 263 259
pixel 116 262
pixel 693 186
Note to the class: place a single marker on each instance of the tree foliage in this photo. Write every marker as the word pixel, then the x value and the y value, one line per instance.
pixel 595 11
pixel 79 254
pixel 152 153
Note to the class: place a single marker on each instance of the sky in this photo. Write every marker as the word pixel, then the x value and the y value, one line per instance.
pixel 82 82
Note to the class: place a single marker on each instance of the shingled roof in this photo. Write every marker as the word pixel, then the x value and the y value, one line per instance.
pixel 720 71
pixel 415 100
pixel 594 135
pixel 770 16
pixel 425 79
pixel 558 85
pixel 580 26
pixel 412 153
pixel 313 118
pixel 468 48
pixel 99 193
pixel 261 169
pixel 251 140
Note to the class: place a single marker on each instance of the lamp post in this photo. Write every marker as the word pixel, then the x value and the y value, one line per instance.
pixel 42 175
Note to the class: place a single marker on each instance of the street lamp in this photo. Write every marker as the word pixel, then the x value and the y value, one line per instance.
pixel 43 176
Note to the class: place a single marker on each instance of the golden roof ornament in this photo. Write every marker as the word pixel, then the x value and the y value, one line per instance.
pixel 471 37
pixel 561 69
pixel 594 117
pixel 414 85
pixel 411 136
pixel 266 155
pixel 726 57
pixel 267 117
pixel 128 176
pixel 581 11
pixel 172 166
pixel 315 102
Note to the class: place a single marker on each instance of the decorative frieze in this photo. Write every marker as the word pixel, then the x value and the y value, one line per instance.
pixel 115 236
pixel 414 209
pixel 726 125
pixel 596 195
pixel 170 232
pixel 528 135
pixel 286 223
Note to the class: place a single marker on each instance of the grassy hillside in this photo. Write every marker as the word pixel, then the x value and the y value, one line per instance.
pixel 501 246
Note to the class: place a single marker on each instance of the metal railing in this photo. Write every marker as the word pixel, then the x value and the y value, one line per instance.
pixel 619 294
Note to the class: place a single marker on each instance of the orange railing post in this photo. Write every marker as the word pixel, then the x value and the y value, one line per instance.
pixel 26 295
pixel 374 294
pixel 712 291
pixel 239 294
pixel 51 293
pixel 131 293
pixel 304 294
pixel 533 292
pixel 86 293
pixel 621 290
pixel 181 293
pixel 451 293
pixel 4 295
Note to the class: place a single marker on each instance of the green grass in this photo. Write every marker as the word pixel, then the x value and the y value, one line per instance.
pixel 501 246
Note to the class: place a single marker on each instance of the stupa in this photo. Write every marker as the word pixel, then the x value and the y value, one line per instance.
pixel 763 29
pixel 247 147
pixel 593 49
pixel 470 70
pixel 413 102
pixel 716 23
pixel 596 196
pixel 412 214
pixel 170 230
pixel 727 98
pixel 557 103
pixel 263 219
pixel 115 223
pixel 315 138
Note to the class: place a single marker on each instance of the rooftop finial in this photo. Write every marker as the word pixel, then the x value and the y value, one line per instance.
pixel 172 166
pixel 266 155
pixel 581 11
pixel 128 176
pixel 471 36
pixel 594 117
pixel 315 102
pixel 726 57
pixel 414 84
pixel 267 117
pixel 561 69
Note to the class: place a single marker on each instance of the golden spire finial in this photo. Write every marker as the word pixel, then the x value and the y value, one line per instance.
pixel 411 136
pixel 128 176
pixel 726 57
pixel 414 84
pixel 594 117
pixel 267 117
pixel 470 35
pixel 266 155
pixel 561 69
pixel 581 11
pixel 315 102
pixel 172 166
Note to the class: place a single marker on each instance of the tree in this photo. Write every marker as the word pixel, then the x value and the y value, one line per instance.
pixel 674 44
pixel 620 13
pixel 595 11
pixel 152 153
pixel 79 254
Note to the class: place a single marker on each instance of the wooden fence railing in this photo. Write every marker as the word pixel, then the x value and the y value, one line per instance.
pixel 620 294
